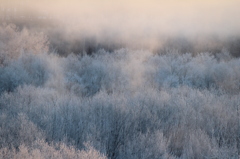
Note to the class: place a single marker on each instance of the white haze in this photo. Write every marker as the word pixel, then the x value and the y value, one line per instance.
pixel 136 24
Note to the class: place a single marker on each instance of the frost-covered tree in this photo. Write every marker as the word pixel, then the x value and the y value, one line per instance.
pixel 123 104
pixel 15 42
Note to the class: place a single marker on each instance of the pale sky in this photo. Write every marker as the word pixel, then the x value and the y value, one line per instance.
pixel 141 17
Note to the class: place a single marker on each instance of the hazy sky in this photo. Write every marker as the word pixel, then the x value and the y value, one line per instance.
pixel 187 16
pixel 134 19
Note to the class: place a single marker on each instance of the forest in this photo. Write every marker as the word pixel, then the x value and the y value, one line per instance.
pixel 129 79
pixel 118 104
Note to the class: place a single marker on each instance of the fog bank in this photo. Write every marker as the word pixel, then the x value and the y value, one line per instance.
pixel 77 26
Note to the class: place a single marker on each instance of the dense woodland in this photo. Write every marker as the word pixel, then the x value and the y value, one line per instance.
pixel 116 104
